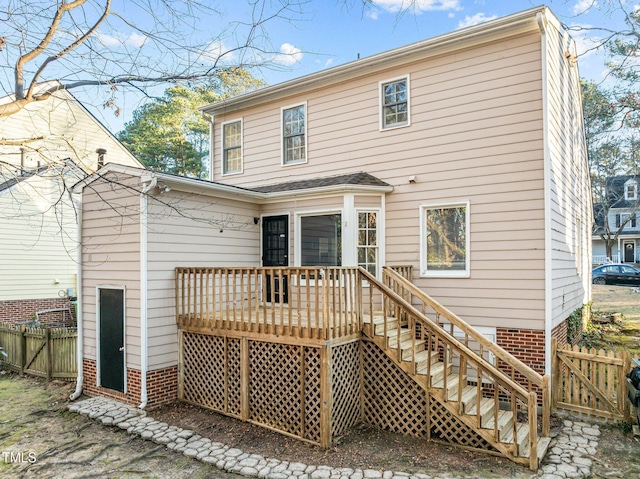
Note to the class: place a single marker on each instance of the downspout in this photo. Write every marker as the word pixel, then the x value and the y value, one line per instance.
pixel 144 333
pixel 80 331
pixel 211 121
pixel 548 270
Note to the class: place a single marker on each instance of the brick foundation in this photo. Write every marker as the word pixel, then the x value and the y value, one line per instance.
pixel 162 386
pixel 21 311
pixel 528 344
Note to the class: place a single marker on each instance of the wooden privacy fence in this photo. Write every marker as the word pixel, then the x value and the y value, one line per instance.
pixel 44 352
pixel 589 382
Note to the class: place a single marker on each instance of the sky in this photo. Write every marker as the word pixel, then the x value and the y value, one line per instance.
pixel 328 33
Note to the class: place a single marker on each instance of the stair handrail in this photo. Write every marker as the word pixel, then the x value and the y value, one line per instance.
pixel 452 340
pixel 500 353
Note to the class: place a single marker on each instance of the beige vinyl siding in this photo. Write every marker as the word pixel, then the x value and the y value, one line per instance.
pixel 568 180
pixel 202 231
pixel 111 257
pixel 38 236
pixel 476 135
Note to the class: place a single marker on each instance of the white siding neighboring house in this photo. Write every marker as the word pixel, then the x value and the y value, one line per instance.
pixel 480 128
pixel 622 206
pixel 38 228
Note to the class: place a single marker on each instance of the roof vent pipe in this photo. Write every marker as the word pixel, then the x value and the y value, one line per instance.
pixel 101 152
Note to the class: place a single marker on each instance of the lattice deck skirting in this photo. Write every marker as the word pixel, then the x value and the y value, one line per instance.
pixel 310 392
pixel 315 393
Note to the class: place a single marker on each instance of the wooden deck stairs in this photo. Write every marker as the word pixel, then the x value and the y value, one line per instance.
pixel 455 365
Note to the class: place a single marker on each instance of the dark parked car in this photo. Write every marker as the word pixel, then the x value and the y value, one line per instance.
pixel 616 274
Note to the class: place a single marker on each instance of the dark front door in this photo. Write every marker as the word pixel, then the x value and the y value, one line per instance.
pixel 111 338
pixel 275 252
pixel 629 252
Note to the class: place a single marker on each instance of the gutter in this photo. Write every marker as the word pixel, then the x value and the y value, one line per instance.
pixel 548 270
pixel 144 318
pixel 438 45
pixel 80 338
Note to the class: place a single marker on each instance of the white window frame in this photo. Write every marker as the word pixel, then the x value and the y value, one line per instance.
pixel 633 197
pixel 378 245
pixel 306 131
pixel 426 273
pixel 381 125
pixel 297 231
pixel 222 148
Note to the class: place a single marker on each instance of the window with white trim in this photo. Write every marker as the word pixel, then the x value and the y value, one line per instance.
pixel 444 240
pixel 368 241
pixel 394 102
pixel 321 240
pixel 232 147
pixel 631 190
pixel 294 138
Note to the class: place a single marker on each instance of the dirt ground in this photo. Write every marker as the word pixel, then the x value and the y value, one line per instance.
pixel 34 420
pixel 39 438
pixel 624 333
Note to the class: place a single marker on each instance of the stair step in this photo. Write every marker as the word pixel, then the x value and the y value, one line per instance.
pixel 505 423
pixel 406 346
pixel 437 373
pixel 378 324
pixel 522 438
pixel 422 360
pixel 486 410
pixel 392 335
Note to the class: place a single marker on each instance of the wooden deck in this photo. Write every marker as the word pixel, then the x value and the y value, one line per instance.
pixel 310 352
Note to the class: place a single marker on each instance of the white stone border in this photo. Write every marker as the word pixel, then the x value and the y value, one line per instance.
pixel 568 455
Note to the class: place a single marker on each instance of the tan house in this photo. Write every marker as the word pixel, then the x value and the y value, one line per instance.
pixel 38 229
pixel 431 198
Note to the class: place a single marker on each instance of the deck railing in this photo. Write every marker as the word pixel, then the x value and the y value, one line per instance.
pixel 458 362
pixel 515 369
pixel 316 303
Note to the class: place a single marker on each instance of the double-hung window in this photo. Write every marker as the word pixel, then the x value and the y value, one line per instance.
pixel 394 103
pixel 232 147
pixel 631 190
pixel 444 240
pixel 294 138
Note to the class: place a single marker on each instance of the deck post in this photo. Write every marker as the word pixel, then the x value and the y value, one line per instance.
pixel 546 406
pixel 244 378
pixel 180 364
pixel 325 397
pixel 555 374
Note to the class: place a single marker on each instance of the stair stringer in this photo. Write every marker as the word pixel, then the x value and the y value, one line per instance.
pixel 504 449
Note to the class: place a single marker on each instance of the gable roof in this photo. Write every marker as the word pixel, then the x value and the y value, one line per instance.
pixel 57 128
pixel 614 186
pixel 526 21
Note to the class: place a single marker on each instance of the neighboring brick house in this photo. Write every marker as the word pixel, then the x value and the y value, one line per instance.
pixel 462 156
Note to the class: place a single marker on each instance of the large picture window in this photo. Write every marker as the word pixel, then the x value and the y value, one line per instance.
pixel 294 142
pixel 394 99
pixel 232 147
pixel 321 240
pixel 445 240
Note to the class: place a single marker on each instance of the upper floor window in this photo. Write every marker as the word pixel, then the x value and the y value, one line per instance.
pixel 444 240
pixel 232 147
pixel 631 190
pixel 294 138
pixel 394 101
